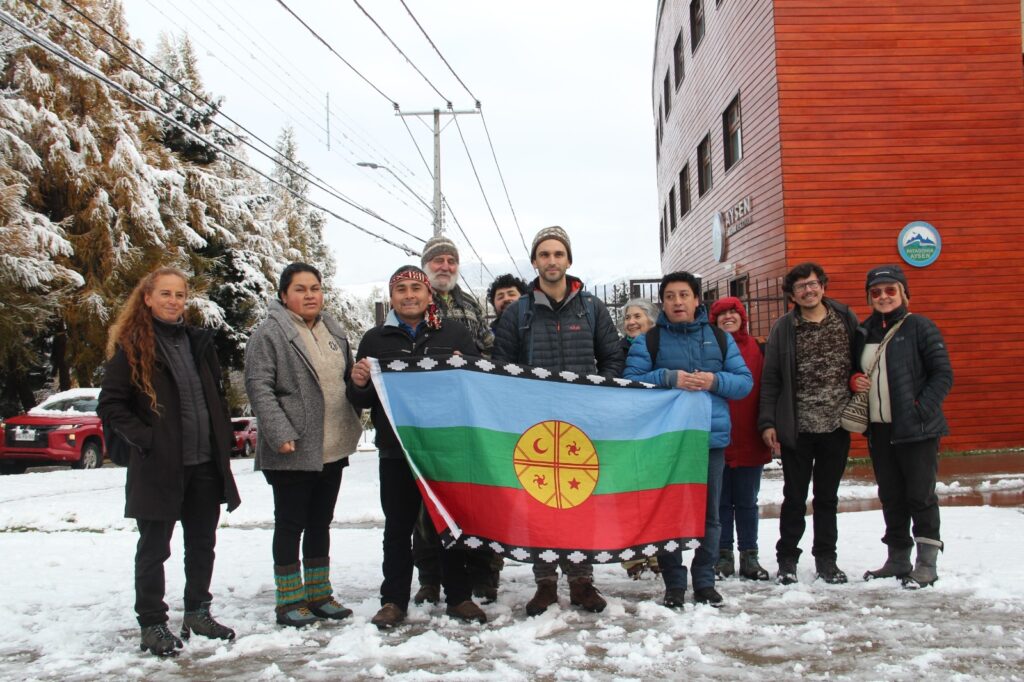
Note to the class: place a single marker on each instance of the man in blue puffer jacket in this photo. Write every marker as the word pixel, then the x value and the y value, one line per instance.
pixel 691 356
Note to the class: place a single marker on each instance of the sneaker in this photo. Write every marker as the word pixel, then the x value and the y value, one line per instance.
pixel 546 595
pixel 297 617
pixel 467 612
pixel 707 595
pixel 330 609
pixel 388 617
pixel 675 598
pixel 427 594
pixel 828 571
pixel 787 571
pixel 582 593
pixel 158 640
pixel 202 623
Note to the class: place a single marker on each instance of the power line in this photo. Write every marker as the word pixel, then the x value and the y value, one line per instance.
pixel 423 30
pixel 305 173
pixel 484 194
pixel 395 45
pixel 59 52
pixel 335 53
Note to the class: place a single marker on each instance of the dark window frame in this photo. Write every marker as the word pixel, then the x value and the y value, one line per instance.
pixel 685 204
pixel 673 223
pixel 705 166
pixel 668 94
pixel 677 60
pixel 732 153
pixel 697 21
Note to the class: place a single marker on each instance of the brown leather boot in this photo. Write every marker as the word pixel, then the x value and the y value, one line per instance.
pixel 388 617
pixel 583 593
pixel 428 593
pixel 547 594
pixel 467 612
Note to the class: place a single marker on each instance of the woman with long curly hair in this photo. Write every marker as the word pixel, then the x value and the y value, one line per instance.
pixel 162 398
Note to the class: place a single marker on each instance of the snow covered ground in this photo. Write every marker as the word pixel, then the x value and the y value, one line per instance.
pixel 66 603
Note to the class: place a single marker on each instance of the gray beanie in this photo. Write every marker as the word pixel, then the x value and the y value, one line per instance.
pixel 438 246
pixel 553 232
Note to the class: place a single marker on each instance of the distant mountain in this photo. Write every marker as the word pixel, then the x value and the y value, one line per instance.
pixel 918 238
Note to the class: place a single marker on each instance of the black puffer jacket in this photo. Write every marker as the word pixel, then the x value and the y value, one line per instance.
pixel 918 371
pixel 562 340
pixel 390 341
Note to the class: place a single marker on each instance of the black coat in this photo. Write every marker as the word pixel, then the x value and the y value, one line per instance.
pixel 567 339
pixel 918 370
pixel 389 342
pixel 154 487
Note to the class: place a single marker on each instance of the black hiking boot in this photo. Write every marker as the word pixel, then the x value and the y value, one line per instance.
pixel 202 623
pixel 158 640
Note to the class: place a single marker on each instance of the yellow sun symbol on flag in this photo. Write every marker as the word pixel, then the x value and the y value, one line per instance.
pixel 557 464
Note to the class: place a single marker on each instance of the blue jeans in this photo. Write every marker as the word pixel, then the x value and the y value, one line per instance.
pixel 703 566
pixel 739 502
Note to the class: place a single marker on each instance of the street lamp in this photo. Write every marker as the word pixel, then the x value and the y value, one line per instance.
pixel 377 166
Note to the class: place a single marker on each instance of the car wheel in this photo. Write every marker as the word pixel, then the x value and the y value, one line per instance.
pixel 246 450
pixel 92 457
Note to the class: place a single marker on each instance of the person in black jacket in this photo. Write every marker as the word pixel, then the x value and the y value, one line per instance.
pixel 413 328
pixel 804 387
pixel 162 396
pixel 559 327
pixel 911 378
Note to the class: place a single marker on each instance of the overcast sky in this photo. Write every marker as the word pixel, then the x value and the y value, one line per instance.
pixel 565 88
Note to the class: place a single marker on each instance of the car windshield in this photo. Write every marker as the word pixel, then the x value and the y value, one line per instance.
pixel 240 426
pixel 82 404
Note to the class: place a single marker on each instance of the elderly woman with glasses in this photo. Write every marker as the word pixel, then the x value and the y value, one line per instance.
pixel 906 373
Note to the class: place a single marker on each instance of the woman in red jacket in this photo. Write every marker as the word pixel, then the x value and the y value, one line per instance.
pixel 746 454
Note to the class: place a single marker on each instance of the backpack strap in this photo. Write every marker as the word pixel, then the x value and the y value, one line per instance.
pixel 524 327
pixel 723 342
pixel 653 339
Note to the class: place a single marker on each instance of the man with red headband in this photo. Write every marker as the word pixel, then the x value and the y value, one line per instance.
pixel 412 329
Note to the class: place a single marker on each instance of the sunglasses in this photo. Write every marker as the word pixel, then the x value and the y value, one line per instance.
pixel 889 290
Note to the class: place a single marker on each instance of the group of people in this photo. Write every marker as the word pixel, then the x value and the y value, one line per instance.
pixel 162 397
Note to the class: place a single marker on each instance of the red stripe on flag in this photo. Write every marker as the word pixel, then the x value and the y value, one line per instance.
pixel 602 522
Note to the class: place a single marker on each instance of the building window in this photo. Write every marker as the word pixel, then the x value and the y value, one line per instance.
pixel 677 59
pixel 738 287
pixel 732 133
pixel 668 94
pixel 661 235
pixel 704 166
pixel 696 23
pixel 684 190
pixel 672 209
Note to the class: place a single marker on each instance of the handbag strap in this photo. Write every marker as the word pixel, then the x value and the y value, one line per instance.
pixel 885 340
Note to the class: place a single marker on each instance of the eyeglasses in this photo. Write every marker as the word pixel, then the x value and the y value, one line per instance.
pixel 889 290
pixel 809 285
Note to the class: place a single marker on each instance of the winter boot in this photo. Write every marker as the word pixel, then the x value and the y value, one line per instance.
pixel 726 564
pixel 582 593
pixel 319 593
pixel 708 595
pixel 924 573
pixel 291 606
pixel 158 640
pixel 202 623
pixel 428 593
pixel 547 594
pixel 897 565
pixel 828 571
pixel 467 612
pixel 750 568
pixel 787 571
pixel 675 598
pixel 635 568
pixel 388 617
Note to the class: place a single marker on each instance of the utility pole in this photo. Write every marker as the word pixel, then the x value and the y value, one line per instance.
pixel 436 115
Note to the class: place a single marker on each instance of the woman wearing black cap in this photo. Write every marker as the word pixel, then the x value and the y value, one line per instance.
pixel 906 372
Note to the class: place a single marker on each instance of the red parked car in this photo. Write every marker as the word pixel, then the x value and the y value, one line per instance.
pixel 63 429
pixel 245 436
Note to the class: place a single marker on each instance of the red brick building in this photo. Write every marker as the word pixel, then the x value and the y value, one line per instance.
pixel 818 129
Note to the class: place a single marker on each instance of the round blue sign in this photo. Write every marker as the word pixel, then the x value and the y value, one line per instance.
pixel 919 244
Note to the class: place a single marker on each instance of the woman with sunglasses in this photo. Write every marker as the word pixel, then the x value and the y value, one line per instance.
pixel 908 375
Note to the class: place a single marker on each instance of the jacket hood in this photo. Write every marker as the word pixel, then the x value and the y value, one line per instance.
pixel 574 285
pixel 700 317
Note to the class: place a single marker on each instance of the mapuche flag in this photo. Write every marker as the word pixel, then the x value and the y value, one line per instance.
pixel 541 466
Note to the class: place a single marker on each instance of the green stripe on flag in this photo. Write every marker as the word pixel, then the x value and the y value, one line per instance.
pixel 470 455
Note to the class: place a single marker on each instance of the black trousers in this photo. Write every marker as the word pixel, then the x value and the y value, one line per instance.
pixel 906 474
pixel 482 565
pixel 200 512
pixel 821 458
pixel 303 510
pixel 400 499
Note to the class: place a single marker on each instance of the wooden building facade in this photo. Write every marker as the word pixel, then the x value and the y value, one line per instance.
pixel 796 130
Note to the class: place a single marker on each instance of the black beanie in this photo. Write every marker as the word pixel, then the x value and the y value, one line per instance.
pixel 887 273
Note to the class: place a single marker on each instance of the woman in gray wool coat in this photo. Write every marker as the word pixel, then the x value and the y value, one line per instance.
pixel 296 366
